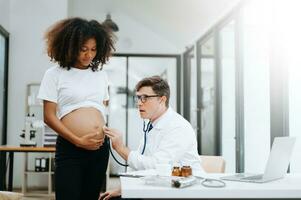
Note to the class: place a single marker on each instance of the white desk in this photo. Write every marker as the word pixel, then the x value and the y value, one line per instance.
pixel 289 187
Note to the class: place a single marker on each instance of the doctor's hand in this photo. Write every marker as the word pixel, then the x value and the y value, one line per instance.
pixel 90 141
pixel 115 136
pixel 117 144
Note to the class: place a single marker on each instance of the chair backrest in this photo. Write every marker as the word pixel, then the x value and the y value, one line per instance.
pixel 213 164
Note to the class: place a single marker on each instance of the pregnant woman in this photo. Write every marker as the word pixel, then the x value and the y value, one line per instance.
pixel 75 93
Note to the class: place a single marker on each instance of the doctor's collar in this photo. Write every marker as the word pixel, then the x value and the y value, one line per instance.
pixel 162 119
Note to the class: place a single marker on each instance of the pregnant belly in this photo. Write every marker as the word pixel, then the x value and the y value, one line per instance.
pixel 83 121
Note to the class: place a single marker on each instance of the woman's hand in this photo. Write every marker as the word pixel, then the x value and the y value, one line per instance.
pixel 109 194
pixel 90 141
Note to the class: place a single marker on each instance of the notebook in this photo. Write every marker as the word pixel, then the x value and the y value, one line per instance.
pixel 276 166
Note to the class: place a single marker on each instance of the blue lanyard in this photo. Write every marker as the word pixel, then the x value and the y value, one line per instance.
pixel 146 129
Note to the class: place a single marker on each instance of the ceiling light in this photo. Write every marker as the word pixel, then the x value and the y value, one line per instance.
pixel 109 23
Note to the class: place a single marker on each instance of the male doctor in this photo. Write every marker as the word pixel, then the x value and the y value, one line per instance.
pixel 169 137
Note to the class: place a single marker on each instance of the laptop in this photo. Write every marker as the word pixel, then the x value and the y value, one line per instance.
pixel 276 166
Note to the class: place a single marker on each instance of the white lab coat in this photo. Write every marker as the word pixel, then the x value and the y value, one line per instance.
pixel 172 140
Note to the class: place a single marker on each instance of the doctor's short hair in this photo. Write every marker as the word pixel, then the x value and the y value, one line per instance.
pixel 158 84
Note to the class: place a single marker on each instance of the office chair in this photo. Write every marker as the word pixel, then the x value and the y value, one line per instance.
pixel 213 164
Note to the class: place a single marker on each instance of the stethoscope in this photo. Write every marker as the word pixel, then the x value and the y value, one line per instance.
pixel 213 183
pixel 146 128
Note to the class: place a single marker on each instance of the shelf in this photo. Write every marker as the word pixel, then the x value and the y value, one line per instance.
pixel 27 172
pixel 34 172
pixel 34 106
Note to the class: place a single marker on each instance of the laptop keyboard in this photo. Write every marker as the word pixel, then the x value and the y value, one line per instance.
pixel 257 177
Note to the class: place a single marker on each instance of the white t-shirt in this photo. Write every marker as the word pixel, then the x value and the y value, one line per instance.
pixel 74 88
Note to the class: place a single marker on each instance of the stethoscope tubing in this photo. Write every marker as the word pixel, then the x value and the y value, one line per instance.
pixel 145 130
pixel 220 184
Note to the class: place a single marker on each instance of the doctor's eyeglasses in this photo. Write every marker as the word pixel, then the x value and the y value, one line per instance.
pixel 143 98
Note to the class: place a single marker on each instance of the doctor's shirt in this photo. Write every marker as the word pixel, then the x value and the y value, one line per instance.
pixel 171 140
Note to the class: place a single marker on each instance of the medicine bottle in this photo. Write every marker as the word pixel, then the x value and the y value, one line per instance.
pixel 176 171
pixel 186 171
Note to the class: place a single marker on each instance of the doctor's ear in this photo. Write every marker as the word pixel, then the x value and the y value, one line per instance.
pixel 163 99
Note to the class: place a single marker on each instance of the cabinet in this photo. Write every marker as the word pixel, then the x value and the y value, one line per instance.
pixel 7 165
pixel 27 171
pixel 44 137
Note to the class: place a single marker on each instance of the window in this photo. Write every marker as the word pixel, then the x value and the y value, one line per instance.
pixel 190 88
pixel 256 76
pixel 207 97
pixel 228 93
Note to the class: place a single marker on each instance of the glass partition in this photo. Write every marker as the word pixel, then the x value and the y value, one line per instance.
pixel 227 65
pixel 193 92
pixel 190 88
pixel 292 41
pixel 208 107
pixel 139 68
pixel 124 72
pixel 256 57
pixel 116 71
pixel 294 64
pixel 208 48
pixel 206 88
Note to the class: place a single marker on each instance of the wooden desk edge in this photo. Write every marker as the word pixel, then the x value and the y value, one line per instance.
pixel 27 149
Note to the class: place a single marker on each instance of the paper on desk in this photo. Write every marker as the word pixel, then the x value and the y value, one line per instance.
pixel 152 172
pixel 149 172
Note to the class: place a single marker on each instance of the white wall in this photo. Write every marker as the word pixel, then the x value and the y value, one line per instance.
pixel 135 37
pixel 28 21
pixel 4 14
pixel 142 39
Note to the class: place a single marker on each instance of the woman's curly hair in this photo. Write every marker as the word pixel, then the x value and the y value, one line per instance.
pixel 65 39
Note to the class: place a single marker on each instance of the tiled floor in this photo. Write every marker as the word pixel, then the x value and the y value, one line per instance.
pixel 113 183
